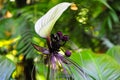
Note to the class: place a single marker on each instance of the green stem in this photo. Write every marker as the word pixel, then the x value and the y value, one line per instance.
pixel 48 73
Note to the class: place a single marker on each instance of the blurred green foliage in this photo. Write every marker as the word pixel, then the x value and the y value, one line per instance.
pixel 94 25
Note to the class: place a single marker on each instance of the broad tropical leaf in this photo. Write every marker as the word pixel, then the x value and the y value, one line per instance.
pixel 98 66
pixel 6 68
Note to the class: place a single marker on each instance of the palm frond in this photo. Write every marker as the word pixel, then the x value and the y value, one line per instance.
pixel 24 45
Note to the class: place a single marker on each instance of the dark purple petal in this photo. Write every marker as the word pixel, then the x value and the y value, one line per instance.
pixel 68 53
pixel 41 49
pixel 61 57
pixel 53 62
pixel 60 34
pixel 65 38
pixel 45 51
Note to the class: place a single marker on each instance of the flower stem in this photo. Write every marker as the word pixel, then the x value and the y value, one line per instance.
pixel 48 73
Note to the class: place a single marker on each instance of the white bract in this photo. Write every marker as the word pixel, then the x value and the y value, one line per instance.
pixel 45 24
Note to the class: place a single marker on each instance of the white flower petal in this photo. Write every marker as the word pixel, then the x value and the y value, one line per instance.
pixel 45 24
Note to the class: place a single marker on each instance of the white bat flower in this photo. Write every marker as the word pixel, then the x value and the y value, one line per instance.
pixel 45 24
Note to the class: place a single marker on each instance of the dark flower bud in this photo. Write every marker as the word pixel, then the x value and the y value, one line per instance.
pixel 68 53
pixel 65 38
pixel 60 34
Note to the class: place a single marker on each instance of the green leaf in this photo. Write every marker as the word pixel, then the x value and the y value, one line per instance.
pixel 97 66
pixel 114 16
pixel 45 24
pixel 115 53
pixel 6 68
pixel 109 22
pixel 105 3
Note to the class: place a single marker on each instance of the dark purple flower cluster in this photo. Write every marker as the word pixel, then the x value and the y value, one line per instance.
pixel 58 40
pixel 53 55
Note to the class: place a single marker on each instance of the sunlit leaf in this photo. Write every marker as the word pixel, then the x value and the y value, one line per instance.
pixel 45 24
pixel 6 68
pixel 115 53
